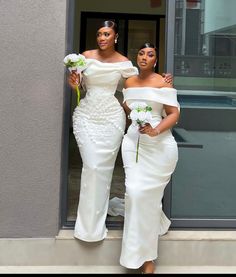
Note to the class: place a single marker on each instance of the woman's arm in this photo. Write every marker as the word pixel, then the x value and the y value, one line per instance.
pixel 127 112
pixel 167 123
pixel 73 80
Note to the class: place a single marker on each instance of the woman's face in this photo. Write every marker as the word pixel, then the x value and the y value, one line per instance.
pixel 146 58
pixel 106 38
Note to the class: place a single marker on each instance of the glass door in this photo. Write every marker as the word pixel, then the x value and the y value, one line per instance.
pixel 202 191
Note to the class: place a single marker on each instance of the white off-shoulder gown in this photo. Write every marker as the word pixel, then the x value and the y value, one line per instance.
pixel 98 127
pixel 146 179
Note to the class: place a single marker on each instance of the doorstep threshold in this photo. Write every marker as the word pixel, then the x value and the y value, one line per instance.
pixel 172 235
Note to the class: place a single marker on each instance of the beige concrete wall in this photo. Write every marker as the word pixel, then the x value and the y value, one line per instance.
pixel 32 42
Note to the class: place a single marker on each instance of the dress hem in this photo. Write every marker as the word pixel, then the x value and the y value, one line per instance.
pixel 140 264
pixel 78 236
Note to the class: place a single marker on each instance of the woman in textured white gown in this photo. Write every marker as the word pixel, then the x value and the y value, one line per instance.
pixel 98 126
pixel 147 178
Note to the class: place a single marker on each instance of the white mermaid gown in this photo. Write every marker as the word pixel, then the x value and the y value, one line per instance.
pixel 146 179
pixel 98 126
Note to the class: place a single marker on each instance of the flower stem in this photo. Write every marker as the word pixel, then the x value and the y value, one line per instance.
pixel 137 149
pixel 78 94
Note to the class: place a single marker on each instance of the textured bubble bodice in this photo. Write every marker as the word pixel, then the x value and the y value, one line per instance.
pixel 98 125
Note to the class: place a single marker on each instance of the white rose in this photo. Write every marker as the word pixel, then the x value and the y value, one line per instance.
pixel 136 105
pixel 142 116
pixel 66 60
pixel 134 115
pixel 74 57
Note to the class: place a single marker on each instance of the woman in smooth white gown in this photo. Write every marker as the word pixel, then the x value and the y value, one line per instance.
pixel 147 178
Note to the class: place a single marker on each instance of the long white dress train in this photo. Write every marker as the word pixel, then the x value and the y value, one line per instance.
pixel 98 127
pixel 146 179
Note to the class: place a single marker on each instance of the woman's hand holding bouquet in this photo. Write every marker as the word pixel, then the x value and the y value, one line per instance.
pixel 76 64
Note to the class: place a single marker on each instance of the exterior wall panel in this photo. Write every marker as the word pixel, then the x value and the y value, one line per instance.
pixel 32 35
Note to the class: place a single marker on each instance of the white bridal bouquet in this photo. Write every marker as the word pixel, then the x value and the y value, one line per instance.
pixel 76 63
pixel 140 115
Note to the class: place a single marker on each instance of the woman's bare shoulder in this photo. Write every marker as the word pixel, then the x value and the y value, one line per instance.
pixel 130 82
pixel 90 53
pixel 158 77
pixel 160 82
pixel 121 58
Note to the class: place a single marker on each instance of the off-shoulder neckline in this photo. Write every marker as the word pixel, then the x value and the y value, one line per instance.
pixel 128 61
pixel 149 88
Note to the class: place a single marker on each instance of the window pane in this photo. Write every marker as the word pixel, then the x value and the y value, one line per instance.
pixel 205 76
pixel 205 41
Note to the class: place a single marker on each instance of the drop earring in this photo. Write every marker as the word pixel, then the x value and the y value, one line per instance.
pixel 116 40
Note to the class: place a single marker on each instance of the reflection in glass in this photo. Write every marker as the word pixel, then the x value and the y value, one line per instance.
pixel 205 77
pixel 205 45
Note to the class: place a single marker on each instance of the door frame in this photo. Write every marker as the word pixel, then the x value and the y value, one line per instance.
pixel 117 17
pixel 70 47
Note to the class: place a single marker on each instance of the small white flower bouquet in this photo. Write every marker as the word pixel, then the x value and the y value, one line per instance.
pixel 140 115
pixel 76 63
